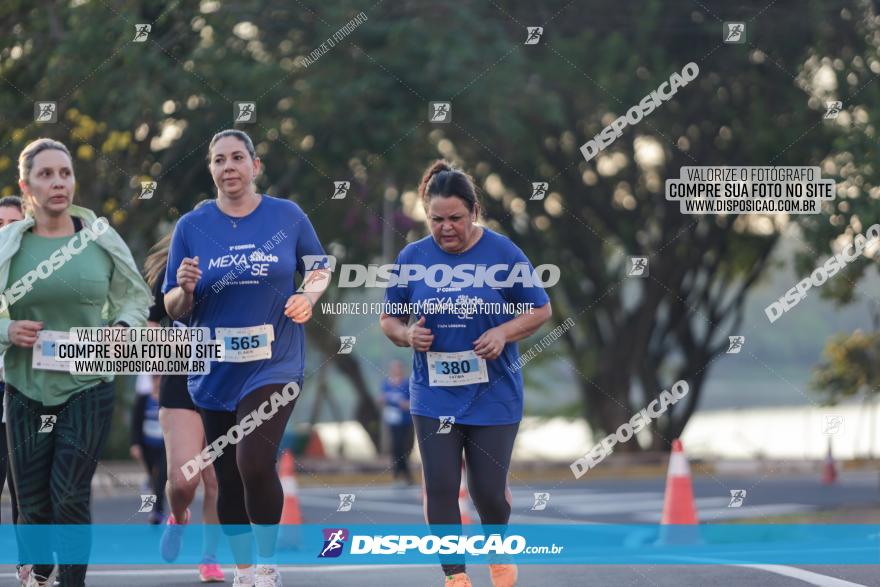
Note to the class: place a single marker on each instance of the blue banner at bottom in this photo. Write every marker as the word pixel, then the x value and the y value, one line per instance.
pixel 569 544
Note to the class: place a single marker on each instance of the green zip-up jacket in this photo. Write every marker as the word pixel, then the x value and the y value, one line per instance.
pixel 129 297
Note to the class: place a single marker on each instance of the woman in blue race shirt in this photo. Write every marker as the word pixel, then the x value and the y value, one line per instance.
pixel 231 268
pixel 464 370
pixel 395 412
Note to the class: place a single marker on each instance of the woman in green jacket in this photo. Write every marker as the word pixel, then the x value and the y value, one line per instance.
pixel 60 267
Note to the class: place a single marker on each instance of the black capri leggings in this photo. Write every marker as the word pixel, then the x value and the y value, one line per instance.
pixel 487 451
pixel 249 490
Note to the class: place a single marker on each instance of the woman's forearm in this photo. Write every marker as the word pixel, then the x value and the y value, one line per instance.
pixel 394 329
pixel 178 303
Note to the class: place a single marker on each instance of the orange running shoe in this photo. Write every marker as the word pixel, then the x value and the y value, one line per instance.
pixel 458 580
pixel 503 575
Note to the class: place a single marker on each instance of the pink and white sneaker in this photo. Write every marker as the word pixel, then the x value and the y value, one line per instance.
pixel 210 571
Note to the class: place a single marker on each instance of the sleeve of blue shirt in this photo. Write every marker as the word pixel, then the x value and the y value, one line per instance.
pixel 519 293
pixel 396 294
pixel 176 253
pixel 307 242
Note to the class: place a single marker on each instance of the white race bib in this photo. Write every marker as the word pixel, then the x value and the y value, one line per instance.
pixel 44 351
pixel 242 345
pixel 451 369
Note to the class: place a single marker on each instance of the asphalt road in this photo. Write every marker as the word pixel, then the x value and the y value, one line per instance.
pixel 590 501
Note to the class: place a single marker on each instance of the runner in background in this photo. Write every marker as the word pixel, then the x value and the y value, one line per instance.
pixel 395 412
pixel 57 422
pixel 231 268
pixel 465 393
pixel 184 436
pixel 147 446
pixel 10 211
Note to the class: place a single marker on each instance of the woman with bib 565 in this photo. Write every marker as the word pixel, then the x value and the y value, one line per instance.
pixel 231 268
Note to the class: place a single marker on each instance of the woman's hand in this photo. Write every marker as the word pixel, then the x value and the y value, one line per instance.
pixel 188 274
pixel 24 333
pixel 419 338
pixel 135 452
pixel 298 308
pixel 490 344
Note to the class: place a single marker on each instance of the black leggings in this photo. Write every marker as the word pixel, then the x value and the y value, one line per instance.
pixel 154 463
pixel 487 451
pixel 4 466
pixel 53 471
pixel 401 447
pixel 249 490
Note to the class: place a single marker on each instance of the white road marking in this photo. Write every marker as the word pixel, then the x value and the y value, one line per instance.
pixel 804 575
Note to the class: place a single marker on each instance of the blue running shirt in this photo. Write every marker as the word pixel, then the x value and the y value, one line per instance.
pixel 247 277
pixel 500 401
pixel 394 395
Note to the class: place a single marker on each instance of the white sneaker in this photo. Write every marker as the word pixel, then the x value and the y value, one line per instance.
pixel 243 577
pixel 34 580
pixel 267 576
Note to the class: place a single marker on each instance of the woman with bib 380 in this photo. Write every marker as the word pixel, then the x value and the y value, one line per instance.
pixel 465 394
pixel 231 268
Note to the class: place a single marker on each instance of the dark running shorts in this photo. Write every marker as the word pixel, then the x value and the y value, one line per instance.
pixel 174 394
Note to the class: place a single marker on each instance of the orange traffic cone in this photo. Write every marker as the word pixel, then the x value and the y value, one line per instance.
pixel 464 499
pixel 678 505
pixel 315 448
pixel 287 471
pixel 829 469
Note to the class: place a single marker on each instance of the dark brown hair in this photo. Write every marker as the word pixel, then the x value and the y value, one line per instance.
pixel 11 202
pixel 443 180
